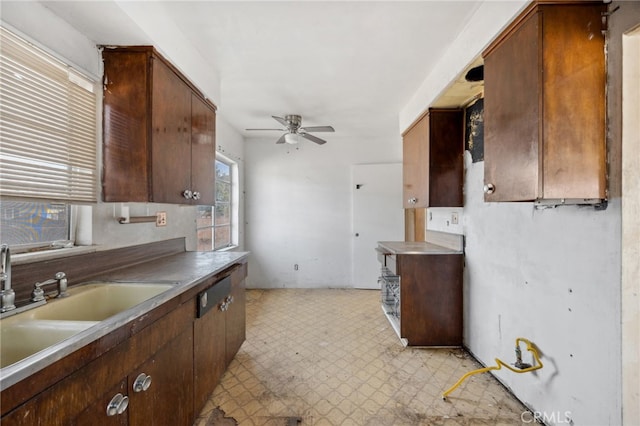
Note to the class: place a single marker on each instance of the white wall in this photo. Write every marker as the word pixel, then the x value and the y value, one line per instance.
pixel 489 19
pixel 552 276
pixel 298 208
pixel 44 28
pixel 52 33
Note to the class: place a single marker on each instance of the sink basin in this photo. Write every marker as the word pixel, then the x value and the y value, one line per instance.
pixel 29 332
pixel 23 338
pixel 98 301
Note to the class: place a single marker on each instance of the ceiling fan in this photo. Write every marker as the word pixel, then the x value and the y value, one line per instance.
pixel 294 131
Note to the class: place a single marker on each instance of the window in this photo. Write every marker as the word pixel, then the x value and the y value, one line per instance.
pixel 48 143
pixel 47 126
pixel 28 223
pixel 215 222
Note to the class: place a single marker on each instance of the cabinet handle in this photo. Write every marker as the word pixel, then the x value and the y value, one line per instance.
pixel 117 405
pixel 413 200
pixel 196 195
pixel 489 188
pixel 187 194
pixel 142 383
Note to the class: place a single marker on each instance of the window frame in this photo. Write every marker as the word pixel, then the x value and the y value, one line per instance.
pixel 233 211
pixel 49 125
pixel 229 204
pixel 78 79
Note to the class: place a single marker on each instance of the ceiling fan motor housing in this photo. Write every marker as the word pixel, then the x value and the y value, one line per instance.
pixel 294 122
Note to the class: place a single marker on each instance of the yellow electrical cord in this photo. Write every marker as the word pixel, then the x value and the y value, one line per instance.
pixel 500 364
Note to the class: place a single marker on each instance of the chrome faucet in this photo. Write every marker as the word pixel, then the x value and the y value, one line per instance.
pixel 60 279
pixel 8 295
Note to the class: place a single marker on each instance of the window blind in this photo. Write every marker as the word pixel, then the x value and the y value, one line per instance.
pixel 47 125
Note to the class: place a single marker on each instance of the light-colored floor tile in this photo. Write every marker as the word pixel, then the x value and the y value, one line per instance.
pixel 329 357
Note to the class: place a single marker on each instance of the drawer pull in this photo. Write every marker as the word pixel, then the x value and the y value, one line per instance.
pixel 142 383
pixel 117 405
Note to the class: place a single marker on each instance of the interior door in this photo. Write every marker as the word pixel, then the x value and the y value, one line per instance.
pixel 377 216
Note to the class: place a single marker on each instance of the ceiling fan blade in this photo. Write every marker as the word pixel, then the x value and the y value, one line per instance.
pixel 318 129
pixel 281 140
pixel 313 138
pixel 281 121
pixel 280 130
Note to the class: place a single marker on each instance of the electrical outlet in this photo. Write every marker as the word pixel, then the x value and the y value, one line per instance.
pixel 161 218
pixel 454 218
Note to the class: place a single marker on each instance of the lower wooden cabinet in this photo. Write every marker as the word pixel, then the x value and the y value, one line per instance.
pixel 209 349
pixel 160 389
pixel 161 375
pixel 236 314
pixel 218 333
pixel 431 299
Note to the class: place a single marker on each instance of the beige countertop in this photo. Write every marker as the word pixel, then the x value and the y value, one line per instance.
pixel 185 270
pixel 436 243
pixel 406 247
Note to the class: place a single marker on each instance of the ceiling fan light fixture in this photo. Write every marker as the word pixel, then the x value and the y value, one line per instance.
pixel 291 138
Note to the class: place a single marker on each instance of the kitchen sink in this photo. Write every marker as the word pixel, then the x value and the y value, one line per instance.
pixel 31 331
pixel 98 301
pixel 23 338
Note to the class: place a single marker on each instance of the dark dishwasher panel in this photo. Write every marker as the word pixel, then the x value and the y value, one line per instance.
pixel 215 294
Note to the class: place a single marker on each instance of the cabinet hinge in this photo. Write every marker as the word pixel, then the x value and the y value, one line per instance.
pixel 605 19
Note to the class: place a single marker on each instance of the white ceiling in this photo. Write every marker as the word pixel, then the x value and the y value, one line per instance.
pixel 349 64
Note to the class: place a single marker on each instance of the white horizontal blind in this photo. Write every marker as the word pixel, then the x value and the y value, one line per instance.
pixel 47 126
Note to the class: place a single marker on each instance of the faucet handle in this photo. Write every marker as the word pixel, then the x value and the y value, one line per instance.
pixel 38 293
pixel 61 277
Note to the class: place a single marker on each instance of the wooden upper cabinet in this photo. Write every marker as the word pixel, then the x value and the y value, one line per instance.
pixel 170 135
pixel 159 132
pixel 415 165
pixel 203 149
pixel 544 106
pixel 432 160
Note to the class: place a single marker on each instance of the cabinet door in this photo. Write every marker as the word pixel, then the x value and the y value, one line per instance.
pixel 431 299
pixel 171 136
pixel 169 398
pixel 512 111
pixel 208 354
pixel 236 314
pixel 125 174
pixel 445 158
pixel 573 119
pixel 203 151
pixel 415 165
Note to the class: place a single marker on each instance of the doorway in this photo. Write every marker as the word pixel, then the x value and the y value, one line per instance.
pixel 377 216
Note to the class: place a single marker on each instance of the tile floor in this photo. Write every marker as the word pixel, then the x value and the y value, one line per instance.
pixel 330 357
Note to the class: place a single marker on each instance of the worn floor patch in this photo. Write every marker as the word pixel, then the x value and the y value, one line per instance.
pixel 217 418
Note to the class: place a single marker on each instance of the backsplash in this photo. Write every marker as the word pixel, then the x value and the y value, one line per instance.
pixel 445 219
